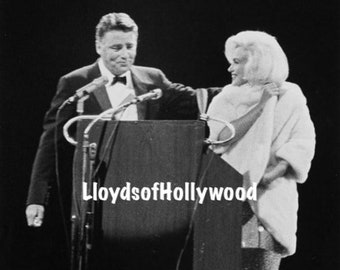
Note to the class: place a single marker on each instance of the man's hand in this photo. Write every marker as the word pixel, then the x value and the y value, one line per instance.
pixel 35 215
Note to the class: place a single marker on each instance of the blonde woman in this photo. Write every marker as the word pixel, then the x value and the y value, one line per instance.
pixel 275 153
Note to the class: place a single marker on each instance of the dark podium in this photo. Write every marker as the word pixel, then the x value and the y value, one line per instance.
pixel 129 224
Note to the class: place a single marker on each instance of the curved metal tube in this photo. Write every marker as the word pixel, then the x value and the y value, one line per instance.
pixel 95 118
pixel 207 118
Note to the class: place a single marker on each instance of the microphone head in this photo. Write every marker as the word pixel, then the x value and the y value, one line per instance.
pixel 101 81
pixel 158 93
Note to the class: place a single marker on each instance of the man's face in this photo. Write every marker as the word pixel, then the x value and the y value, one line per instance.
pixel 118 50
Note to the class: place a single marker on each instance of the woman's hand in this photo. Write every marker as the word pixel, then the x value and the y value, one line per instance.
pixel 269 90
pixel 278 171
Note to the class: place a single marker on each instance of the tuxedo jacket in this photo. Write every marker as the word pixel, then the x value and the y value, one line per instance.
pixel 177 102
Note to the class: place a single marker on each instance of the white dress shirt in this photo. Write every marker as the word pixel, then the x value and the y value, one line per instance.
pixel 120 93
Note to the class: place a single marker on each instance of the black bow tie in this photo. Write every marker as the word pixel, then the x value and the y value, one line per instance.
pixel 119 79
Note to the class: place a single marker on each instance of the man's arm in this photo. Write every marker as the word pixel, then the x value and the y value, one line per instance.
pixel 44 170
pixel 180 101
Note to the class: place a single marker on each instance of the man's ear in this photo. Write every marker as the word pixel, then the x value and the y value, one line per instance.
pixel 98 47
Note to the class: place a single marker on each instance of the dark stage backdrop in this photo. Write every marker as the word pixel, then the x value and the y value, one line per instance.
pixel 42 40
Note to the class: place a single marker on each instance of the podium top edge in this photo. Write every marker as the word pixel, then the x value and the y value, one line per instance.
pixel 149 121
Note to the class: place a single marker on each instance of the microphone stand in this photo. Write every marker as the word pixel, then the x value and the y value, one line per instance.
pixel 81 248
pixel 75 237
pixel 82 242
pixel 90 150
pixel 87 231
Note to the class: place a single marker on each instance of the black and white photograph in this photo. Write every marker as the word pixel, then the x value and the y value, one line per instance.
pixel 173 135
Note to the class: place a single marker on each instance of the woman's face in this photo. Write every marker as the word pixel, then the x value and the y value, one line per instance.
pixel 237 70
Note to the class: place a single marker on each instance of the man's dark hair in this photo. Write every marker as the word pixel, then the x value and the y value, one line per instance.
pixel 115 21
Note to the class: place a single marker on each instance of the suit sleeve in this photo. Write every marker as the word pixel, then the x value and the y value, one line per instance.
pixel 44 170
pixel 180 101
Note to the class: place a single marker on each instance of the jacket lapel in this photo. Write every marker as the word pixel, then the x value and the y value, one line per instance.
pixel 140 89
pixel 102 98
pixel 100 94
pixel 138 84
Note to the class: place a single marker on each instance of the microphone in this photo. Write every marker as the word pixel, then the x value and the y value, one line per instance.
pixel 153 94
pixel 89 88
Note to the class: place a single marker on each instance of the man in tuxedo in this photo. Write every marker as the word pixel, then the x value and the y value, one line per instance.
pixel 116 44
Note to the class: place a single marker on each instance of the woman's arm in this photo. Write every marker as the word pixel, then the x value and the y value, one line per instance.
pixel 244 123
pixel 278 171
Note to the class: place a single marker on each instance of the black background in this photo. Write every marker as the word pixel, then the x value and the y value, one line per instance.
pixel 42 40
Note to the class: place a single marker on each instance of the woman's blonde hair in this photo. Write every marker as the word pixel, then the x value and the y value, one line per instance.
pixel 266 60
